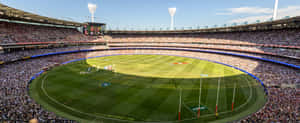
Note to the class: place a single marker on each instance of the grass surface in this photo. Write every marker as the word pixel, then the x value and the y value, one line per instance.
pixel 146 88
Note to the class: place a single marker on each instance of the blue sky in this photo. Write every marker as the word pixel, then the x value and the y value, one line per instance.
pixel 154 13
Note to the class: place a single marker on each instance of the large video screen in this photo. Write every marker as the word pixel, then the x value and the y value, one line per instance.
pixel 94 29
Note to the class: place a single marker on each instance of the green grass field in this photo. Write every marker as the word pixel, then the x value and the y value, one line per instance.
pixel 147 88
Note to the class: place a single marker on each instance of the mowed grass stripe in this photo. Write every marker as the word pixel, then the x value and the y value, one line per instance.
pixel 102 61
pixel 154 59
pixel 151 103
pixel 127 105
pixel 179 69
pixel 240 97
pixel 163 61
pixel 246 91
pixel 223 92
pixel 166 111
pixel 53 86
pixel 189 67
pixel 229 92
pixel 157 64
pixel 145 58
pixel 198 67
pixel 174 72
pixel 210 94
pixel 129 67
pixel 124 58
pixel 112 96
pixel 165 69
pixel 86 97
pixel 115 97
pixel 223 97
pixel 137 58
pixel 63 98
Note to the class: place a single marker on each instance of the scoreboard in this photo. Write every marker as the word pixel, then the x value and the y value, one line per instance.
pixel 94 28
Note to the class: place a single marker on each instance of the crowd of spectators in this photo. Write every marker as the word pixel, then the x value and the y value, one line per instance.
pixel 13 33
pixel 13 56
pixel 288 37
pixel 16 105
pixel 282 106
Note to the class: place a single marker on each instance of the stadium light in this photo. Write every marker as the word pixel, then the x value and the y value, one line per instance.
pixel 275 10
pixel 92 9
pixel 172 12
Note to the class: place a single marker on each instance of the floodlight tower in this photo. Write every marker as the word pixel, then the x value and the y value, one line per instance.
pixel 92 9
pixel 172 12
pixel 275 10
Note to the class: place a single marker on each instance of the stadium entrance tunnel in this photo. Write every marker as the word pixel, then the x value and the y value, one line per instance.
pixel 147 88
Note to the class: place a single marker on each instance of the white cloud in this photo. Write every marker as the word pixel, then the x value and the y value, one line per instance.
pixel 246 10
pixel 282 12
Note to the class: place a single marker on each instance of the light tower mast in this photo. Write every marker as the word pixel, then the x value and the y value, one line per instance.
pixel 92 9
pixel 172 12
pixel 275 10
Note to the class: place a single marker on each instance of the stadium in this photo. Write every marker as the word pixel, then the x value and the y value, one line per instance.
pixel 54 70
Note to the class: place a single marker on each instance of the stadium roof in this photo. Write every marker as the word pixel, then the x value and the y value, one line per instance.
pixel 293 22
pixel 19 15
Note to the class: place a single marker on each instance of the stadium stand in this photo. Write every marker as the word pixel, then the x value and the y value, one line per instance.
pixel 14 33
pixel 21 33
pixel 268 42
pixel 288 37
